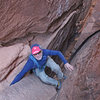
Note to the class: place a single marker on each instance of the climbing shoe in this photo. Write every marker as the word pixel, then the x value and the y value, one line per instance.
pixel 59 85
pixel 64 77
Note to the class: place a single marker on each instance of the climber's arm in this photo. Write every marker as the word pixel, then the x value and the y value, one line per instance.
pixel 61 56
pixel 58 53
pixel 28 66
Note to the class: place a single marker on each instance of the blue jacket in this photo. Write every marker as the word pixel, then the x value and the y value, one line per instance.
pixel 31 65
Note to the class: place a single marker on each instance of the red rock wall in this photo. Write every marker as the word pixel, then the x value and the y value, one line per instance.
pixel 84 82
pixel 51 23
pixel 20 18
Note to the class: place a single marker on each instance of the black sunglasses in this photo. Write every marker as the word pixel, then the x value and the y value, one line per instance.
pixel 37 53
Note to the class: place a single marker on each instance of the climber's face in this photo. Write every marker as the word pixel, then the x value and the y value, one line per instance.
pixel 38 55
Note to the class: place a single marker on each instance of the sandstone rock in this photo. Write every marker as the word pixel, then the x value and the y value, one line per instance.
pixel 92 24
pixel 83 82
pixel 29 88
pixel 11 57
pixel 6 82
pixel 86 80
pixel 24 18
pixel 7 56
pixel 19 18
pixel 22 21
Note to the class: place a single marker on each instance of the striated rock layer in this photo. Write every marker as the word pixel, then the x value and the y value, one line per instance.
pixel 84 82
pixel 23 18
pixel 51 23
pixel 30 88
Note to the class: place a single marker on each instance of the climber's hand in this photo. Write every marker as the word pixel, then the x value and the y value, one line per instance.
pixel 68 66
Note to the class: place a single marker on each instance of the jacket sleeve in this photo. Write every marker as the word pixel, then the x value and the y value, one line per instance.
pixel 28 66
pixel 58 53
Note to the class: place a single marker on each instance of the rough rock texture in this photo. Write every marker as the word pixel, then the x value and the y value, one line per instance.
pixel 10 58
pixel 22 18
pixel 92 24
pixel 29 88
pixel 51 23
pixel 84 82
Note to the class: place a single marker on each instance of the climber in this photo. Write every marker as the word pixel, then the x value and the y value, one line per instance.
pixel 38 60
